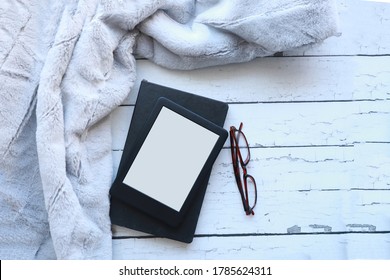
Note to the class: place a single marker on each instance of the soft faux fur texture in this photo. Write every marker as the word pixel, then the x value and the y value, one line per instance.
pixel 67 64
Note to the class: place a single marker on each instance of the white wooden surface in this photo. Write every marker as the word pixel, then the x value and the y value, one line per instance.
pixel 318 122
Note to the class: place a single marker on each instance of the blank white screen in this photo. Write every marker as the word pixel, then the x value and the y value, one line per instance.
pixel 171 158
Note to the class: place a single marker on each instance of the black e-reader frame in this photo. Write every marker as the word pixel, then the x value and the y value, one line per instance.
pixel 169 160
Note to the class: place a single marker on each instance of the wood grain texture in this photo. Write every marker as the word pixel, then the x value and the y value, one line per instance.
pixel 320 189
pixel 318 246
pixel 318 123
pixel 279 79
pixel 296 124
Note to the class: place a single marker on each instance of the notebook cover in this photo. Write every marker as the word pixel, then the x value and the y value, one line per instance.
pixel 124 215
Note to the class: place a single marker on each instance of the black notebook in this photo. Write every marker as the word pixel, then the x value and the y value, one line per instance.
pixel 149 97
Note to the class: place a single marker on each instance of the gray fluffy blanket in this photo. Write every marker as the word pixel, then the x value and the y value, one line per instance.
pixel 67 64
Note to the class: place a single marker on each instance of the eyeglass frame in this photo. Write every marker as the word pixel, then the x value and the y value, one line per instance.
pixel 238 160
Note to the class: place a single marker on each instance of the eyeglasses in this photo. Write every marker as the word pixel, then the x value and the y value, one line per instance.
pixel 241 157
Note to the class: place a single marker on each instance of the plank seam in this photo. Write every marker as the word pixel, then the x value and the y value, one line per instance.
pixel 293 102
pixel 258 234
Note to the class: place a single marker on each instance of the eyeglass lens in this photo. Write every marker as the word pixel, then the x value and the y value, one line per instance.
pixel 243 147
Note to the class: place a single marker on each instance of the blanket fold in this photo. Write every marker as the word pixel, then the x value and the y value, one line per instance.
pixel 66 65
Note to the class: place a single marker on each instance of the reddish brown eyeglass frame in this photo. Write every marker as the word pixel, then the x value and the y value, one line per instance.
pixel 238 161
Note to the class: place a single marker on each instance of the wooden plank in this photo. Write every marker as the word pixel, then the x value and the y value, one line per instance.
pixel 316 190
pixel 278 79
pixel 290 212
pixel 364 29
pixel 319 246
pixel 372 166
pixel 299 168
pixel 295 124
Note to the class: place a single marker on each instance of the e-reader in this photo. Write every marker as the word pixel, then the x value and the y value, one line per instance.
pixel 169 160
